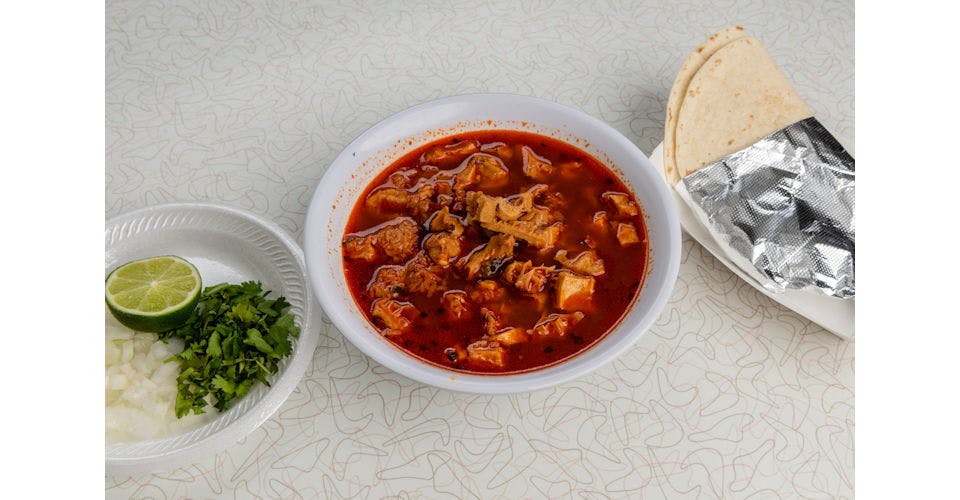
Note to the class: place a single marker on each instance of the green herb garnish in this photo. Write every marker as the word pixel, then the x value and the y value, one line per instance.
pixel 235 337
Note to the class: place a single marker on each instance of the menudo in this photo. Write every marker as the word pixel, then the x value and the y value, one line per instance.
pixel 495 251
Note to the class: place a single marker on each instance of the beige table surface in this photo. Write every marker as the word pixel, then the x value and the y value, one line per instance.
pixel 728 395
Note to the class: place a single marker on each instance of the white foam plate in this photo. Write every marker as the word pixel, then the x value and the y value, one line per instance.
pixel 836 316
pixel 226 245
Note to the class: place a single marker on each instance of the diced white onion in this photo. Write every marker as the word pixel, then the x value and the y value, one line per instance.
pixel 141 389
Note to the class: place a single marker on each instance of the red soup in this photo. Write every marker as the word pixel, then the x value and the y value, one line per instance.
pixel 495 251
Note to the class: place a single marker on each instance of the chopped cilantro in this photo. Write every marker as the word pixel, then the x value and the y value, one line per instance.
pixel 235 337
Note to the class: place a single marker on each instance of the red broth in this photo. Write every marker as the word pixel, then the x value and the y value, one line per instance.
pixel 495 252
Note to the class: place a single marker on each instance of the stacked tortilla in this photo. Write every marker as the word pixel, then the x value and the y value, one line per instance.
pixel 728 95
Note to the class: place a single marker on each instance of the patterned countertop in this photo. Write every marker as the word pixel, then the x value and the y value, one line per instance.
pixel 728 395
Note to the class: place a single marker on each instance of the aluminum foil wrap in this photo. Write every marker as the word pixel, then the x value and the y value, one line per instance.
pixel 786 205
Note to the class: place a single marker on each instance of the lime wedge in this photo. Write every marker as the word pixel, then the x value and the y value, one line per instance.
pixel 155 294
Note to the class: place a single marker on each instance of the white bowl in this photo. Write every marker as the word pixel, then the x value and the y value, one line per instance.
pixel 226 245
pixel 378 147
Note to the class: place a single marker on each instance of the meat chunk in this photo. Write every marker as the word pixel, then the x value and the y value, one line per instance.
pixel 439 155
pixel 404 178
pixel 391 200
pixel 535 167
pixel 487 352
pixel 442 247
pixel 445 244
pixel 624 206
pixel 443 220
pixel 586 262
pixel 557 325
pixel 490 169
pixel 396 317
pixel 361 248
pixel 539 301
pixel 388 282
pixel 455 305
pixel 510 336
pixel 570 169
pixel 491 323
pixel 499 149
pixel 486 260
pixel 493 329
pixel 423 277
pixel 526 277
pixel 395 240
pixel 483 170
pixel 487 291
pixel 601 220
pixel 398 241
pixel 627 234
pixel 553 200
pixel 445 200
pixel 420 202
pixel 418 275
pixel 443 193
pixel 516 216
pixel 443 187
pixel 573 291
pixel 388 199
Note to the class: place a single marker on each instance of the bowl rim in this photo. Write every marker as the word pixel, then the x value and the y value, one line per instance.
pixel 281 387
pixel 511 383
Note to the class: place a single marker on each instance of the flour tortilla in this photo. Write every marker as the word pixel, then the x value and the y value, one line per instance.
pixel 738 97
pixel 690 67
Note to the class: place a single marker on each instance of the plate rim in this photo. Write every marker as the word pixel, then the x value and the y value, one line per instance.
pixel 276 395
